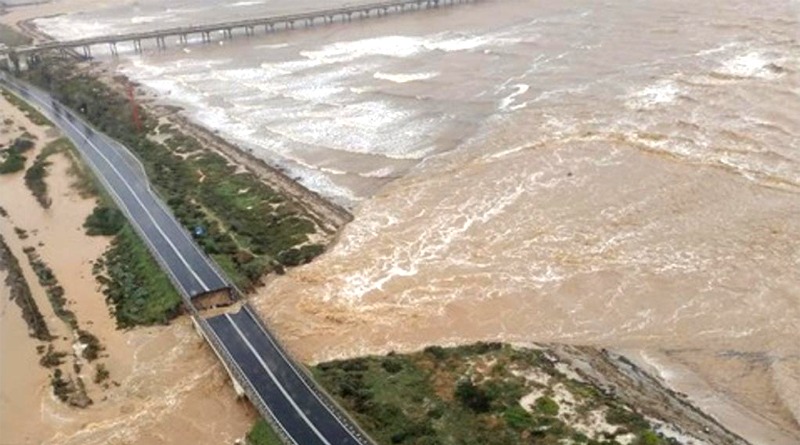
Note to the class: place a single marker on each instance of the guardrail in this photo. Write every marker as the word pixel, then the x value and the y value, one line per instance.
pixel 319 392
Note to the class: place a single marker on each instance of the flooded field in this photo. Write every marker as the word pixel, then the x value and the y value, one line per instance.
pixel 165 385
pixel 614 173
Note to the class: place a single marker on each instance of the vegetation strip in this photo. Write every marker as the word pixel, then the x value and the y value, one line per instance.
pixel 21 294
pixel 54 291
pixel 34 177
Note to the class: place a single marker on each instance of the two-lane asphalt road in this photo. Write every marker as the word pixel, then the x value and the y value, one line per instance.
pixel 188 267
pixel 300 410
pixel 276 385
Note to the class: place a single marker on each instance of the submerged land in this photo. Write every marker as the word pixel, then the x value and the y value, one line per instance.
pixel 256 223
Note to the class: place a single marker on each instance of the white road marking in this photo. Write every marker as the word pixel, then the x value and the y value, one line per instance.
pixel 272 414
pixel 297 373
pixel 277 383
pixel 136 197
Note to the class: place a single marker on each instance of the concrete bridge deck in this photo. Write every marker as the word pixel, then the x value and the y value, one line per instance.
pixel 269 24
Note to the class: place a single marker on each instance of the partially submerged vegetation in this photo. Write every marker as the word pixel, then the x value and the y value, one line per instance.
pixel 64 355
pixel 34 177
pixel 105 220
pixel 12 158
pixel 246 226
pixel 54 291
pixel 482 394
pixel 138 290
pixel 69 390
pixel 21 293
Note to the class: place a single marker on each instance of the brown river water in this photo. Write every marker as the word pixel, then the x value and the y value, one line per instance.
pixel 618 173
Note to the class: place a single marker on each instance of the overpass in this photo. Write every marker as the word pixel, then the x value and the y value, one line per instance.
pixel 281 389
pixel 228 29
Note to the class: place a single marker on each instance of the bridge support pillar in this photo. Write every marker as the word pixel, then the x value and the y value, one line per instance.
pixel 112 46
pixel 206 37
pixel 182 38
pixel 87 52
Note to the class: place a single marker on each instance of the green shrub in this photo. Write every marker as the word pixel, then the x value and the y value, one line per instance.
pixel 134 284
pixel 104 221
pixel 13 163
pixel 516 417
pixel 21 145
pixel 473 397
pixel 546 406
pixel 101 373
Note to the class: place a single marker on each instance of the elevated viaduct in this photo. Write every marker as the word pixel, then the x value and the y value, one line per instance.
pixel 184 34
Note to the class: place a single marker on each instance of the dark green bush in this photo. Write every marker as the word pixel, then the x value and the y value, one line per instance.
pixel 104 221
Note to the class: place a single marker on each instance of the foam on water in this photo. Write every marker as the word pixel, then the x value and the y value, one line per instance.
pixel 751 64
pixel 399 46
pixel 243 3
pixel 506 102
pixel 68 28
pixel 404 78
pixel 660 93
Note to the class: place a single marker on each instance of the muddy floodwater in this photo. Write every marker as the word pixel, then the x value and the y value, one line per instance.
pixel 618 173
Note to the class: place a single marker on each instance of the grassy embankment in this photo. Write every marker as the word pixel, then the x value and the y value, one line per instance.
pixel 246 226
pixel 473 395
